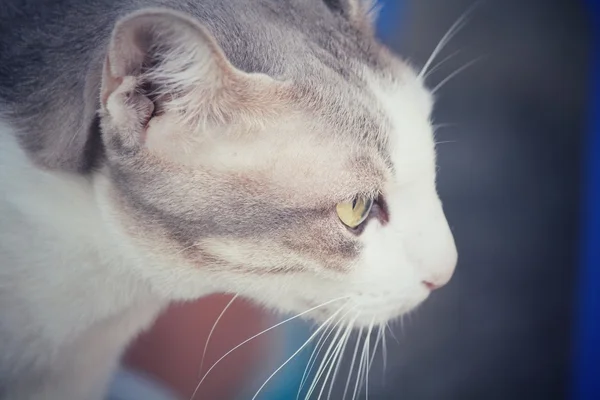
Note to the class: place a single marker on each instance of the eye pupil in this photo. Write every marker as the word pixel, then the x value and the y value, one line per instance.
pixel 354 213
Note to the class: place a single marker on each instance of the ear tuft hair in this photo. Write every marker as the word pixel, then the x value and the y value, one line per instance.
pixel 172 61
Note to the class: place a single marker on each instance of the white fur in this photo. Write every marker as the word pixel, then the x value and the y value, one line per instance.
pixel 70 303
pixel 417 215
pixel 416 246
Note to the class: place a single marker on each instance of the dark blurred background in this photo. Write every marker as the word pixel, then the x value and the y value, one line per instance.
pixel 510 181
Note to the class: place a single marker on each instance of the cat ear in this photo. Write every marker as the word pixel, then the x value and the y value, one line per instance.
pixel 164 62
pixel 362 13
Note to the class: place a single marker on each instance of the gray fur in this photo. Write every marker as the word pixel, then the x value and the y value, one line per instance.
pixel 51 55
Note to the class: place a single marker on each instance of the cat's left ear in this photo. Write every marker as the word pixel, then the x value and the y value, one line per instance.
pixel 164 62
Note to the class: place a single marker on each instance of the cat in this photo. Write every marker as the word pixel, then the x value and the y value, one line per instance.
pixel 154 151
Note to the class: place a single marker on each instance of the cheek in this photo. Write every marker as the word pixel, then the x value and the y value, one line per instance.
pixel 384 283
pixel 323 240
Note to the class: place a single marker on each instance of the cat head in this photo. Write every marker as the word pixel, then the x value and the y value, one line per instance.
pixel 306 179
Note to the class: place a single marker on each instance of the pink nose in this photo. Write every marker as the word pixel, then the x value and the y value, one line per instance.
pixel 432 286
pixel 428 241
pixel 439 272
pixel 434 252
pixel 441 275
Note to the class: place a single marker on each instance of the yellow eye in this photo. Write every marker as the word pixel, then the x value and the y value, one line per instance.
pixel 354 213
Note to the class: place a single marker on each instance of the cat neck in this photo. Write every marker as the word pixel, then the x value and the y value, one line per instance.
pixel 59 247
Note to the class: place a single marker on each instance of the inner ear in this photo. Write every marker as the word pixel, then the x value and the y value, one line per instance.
pixel 163 62
pixel 154 46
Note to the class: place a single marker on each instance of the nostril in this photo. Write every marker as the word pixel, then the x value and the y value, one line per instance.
pixel 431 286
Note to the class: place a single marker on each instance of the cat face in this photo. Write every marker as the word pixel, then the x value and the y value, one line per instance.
pixel 305 193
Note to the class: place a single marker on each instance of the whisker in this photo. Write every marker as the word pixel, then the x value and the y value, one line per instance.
pixel 295 353
pixel 339 363
pixel 360 369
pixel 335 359
pixel 392 332
pixel 325 360
pixel 211 332
pixel 261 333
pixel 409 316
pixel 352 362
pixel 452 75
pixel 367 358
pixel 311 360
pixel 442 62
pixel 450 33
pixel 328 365
pixel 384 347
pixel 445 141
pixel 442 126
pixel 377 340
pixel 314 356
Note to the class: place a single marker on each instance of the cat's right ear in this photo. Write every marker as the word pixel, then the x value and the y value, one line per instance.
pixel 362 13
pixel 164 62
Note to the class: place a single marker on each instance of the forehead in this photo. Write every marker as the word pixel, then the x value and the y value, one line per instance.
pixel 333 141
pixel 386 117
pixel 335 137
pixel 301 158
